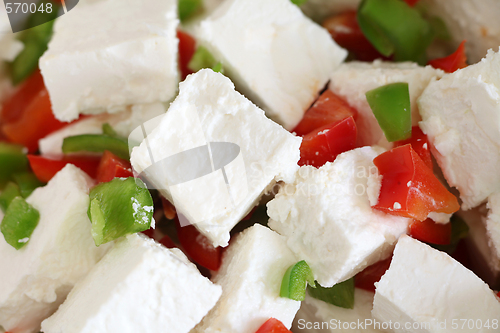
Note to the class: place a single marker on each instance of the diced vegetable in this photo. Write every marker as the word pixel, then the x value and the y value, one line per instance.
pixel 168 209
pixel 409 188
pixel 27 183
pixel 118 208
pixel 295 281
pixel 19 222
pixel 8 194
pixel 459 231
pixel 187 48
pixel 431 232
pixel 273 326
pixel 198 247
pixel 453 62
pixel 393 27
pixel 12 160
pixel 188 8
pixel 96 143
pixel 391 106
pixel 327 110
pixel 411 3
pixel 46 167
pixel 298 2
pixel 111 166
pixel 167 242
pixel 341 294
pixel 202 58
pixel 420 145
pixel 326 143
pixel 366 278
pixel 108 130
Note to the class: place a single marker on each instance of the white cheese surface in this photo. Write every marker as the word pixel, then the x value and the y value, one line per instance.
pixel 250 276
pixel 352 80
pixel 461 117
pixel 59 253
pixel 276 56
pixel 424 288
pixel 110 54
pixel 209 110
pixel 326 217
pixel 139 286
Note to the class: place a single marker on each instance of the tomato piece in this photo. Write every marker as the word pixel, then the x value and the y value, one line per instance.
pixel 187 47
pixel 454 61
pixel 411 3
pixel 366 278
pixel 345 30
pixel 112 166
pixel 324 144
pixel 167 242
pixel 409 188
pixel 328 109
pixel 198 247
pixel 420 145
pixel 431 232
pixel 273 326
pixel 45 168
pixel 168 209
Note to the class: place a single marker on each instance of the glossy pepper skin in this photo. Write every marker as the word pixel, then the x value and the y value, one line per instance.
pixel 19 222
pixel 295 281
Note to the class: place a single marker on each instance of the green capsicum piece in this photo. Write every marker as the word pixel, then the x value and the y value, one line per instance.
pixel 27 183
pixel 96 143
pixel 189 8
pixel 19 222
pixel 202 58
pixel 295 281
pixel 120 207
pixel 10 191
pixel 12 160
pixel 391 106
pixel 341 294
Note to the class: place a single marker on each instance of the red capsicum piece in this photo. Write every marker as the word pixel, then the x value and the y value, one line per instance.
pixel 454 61
pixel 367 278
pixel 420 145
pixel 429 231
pixel 45 168
pixel 187 47
pixel 273 326
pixel 409 188
pixel 328 109
pixel 112 166
pixel 411 3
pixel 326 143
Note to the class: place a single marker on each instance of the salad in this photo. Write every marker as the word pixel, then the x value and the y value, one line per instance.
pixel 250 166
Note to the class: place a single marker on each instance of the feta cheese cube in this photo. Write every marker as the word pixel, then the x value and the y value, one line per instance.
pixel 139 286
pixel 424 289
pixel 276 56
pixel 461 117
pixel 251 274
pixel 214 188
pixel 353 79
pixel 110 54
pixel 123 123
pixel 61 251
pixel 327 220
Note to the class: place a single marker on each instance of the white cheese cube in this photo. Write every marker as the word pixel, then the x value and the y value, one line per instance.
pixel 352 80
pixel 248 153
pixel 475 21
pixel 139 286
pixel 320 317
pixel 461 117
pixel 123 123
pixel 110 54
pixel 425 290
pixel 327 220
pixel 275 55
pixel 61 251
pixel 251 274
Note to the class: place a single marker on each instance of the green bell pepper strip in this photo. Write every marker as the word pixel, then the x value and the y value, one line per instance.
pixel 27 183
pixel 202 58
pixel 341 294
pixel 298 2
pixel 96 143
pixel 391 106
pixel 189 8
pixel 393 27
pixel 19 222
pixel 459 231
pixel 12 160
pixel 10 191
pixel 295 281
pixel 118 208
pixel 108 130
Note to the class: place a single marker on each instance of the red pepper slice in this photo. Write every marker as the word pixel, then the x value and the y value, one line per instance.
pixel 411 3
pixel 324 144
pixel 409 188
pixel 112 166
pixel 198 247
pixel 45 168
pixel 454 61
pixel 273 326
pixel 167 242
pixel 431 232
pixel 366 278
pixel 328 109
pixel 420 145
pixel 168 209
pixel 187 47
